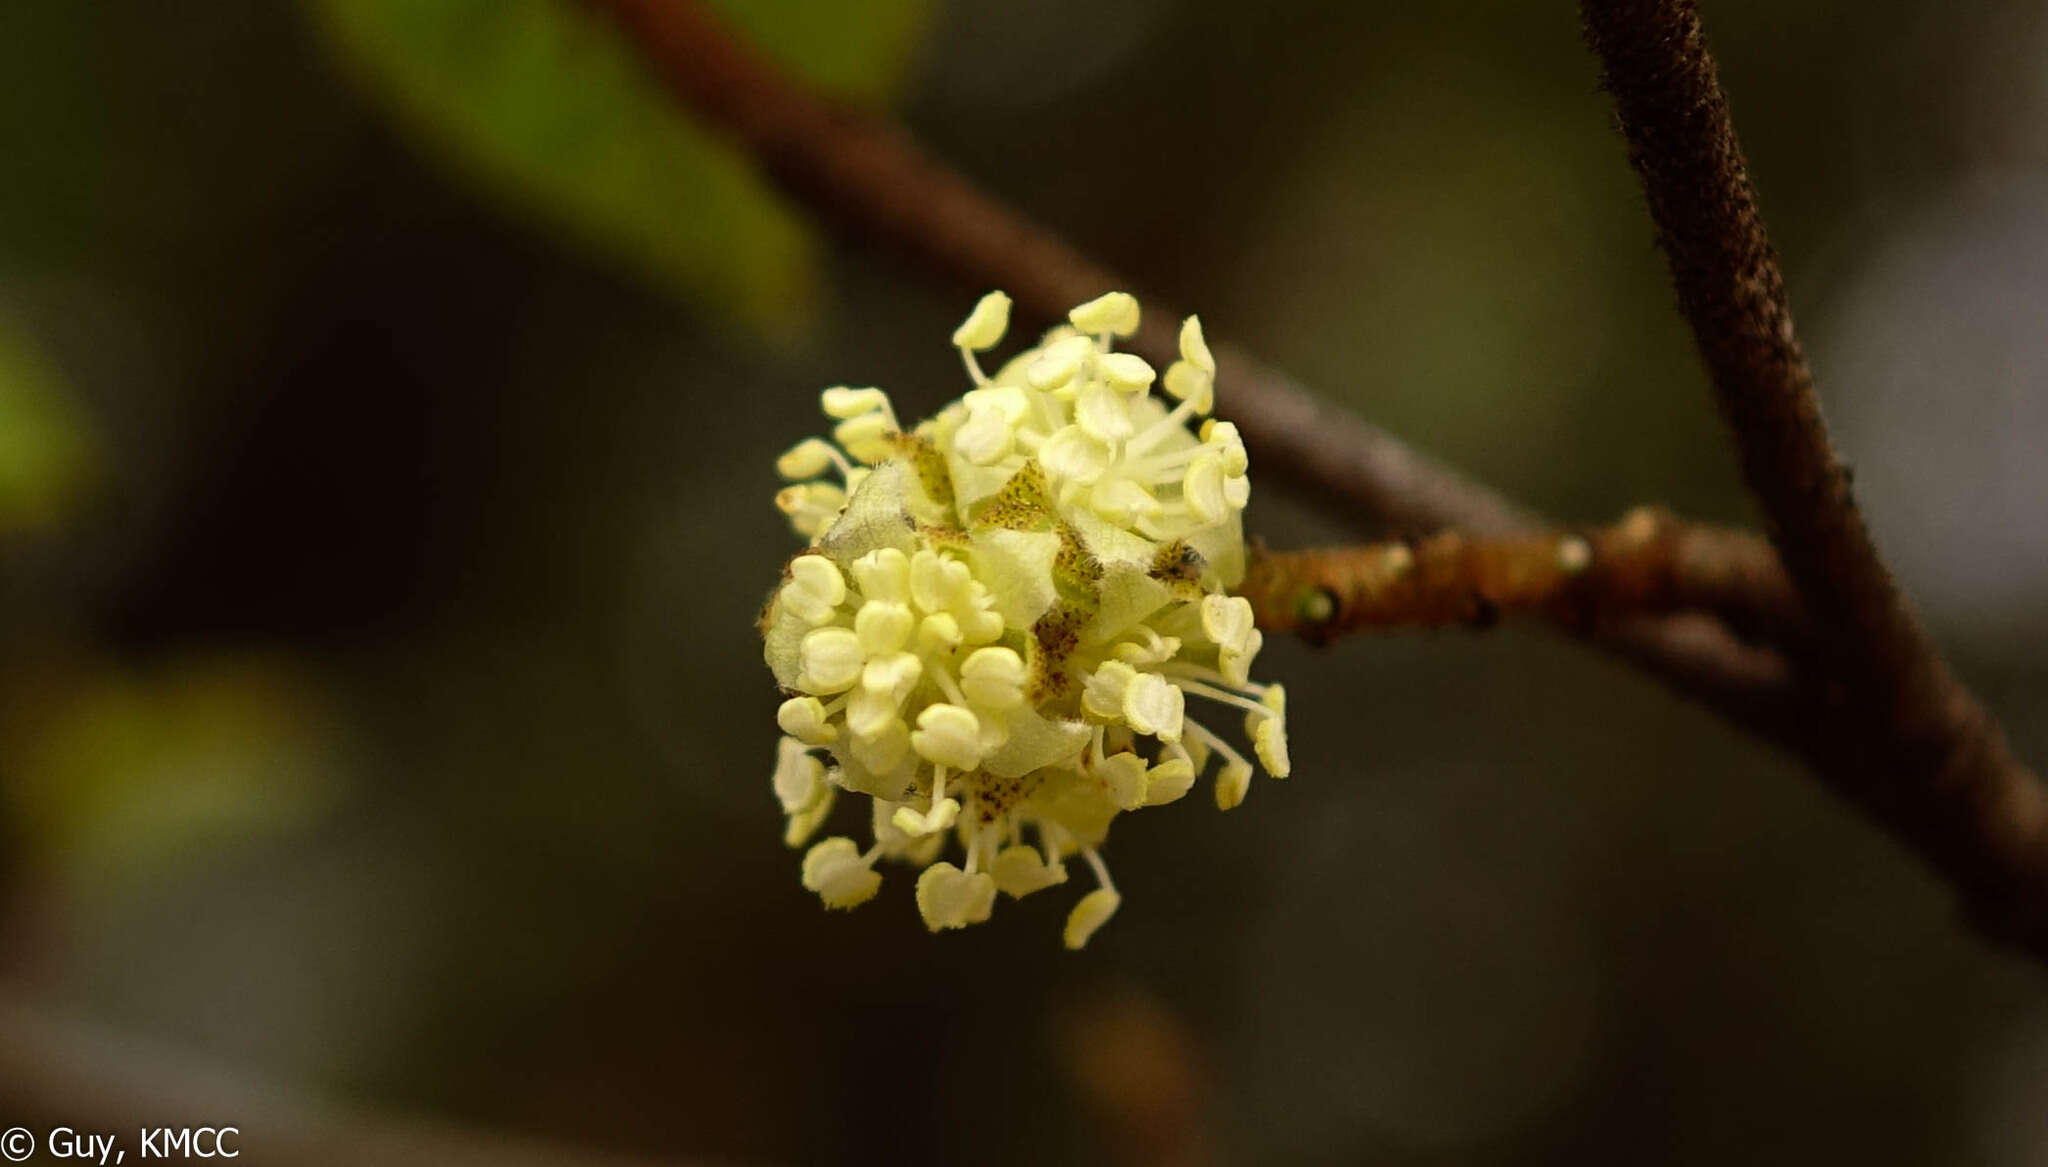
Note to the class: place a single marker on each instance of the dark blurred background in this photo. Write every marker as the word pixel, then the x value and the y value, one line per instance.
pixel 388 394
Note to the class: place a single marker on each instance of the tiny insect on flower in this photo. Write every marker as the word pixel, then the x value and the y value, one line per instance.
pixel 1003 615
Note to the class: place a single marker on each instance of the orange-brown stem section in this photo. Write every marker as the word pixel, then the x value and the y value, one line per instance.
pixel 1649 563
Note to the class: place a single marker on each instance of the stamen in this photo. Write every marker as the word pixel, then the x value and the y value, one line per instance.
pixel 1209 738
pixel 1100 868
pixel 1228 698
pixel 937 671
pixel 1151 528
pixel 1054 838
pixel 968 358
pixel 1177 420
pixel 1049 412
pixel 1205 673
pixel 1171 460
pixel 839 461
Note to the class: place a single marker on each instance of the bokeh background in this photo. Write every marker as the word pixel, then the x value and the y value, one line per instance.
pixel 388 391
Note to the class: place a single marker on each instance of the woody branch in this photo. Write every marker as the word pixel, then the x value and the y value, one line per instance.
pixel 1650 563
pixel 1910 746
pixel 1902 737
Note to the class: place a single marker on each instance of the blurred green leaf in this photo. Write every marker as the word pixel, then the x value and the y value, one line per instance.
pixel 121 774
pixel 46 451
pixel 541 101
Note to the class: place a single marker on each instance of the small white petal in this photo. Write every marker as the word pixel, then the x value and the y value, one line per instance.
pixel 894 675
pixel 871 437
pixel 1075 455
pixel 1269 740
pixel 811 506
pixel 1228 621
pixel 1056 363
pixel 1275 699
pixel 1153 705
pixel 884 751
pixel 1091 913
pixel 1165 648
pixel 950 898
pixel 984 327
pixel 830 660
pixel 1202 489
pixel 883 575
pixel 1222 436
pixel 1185 382
pixel 1236 665
pixel 834 870
pixel 938 584
pixel 820 576
pixel 993 678
pixel 1103 695
pixel 948 735
pixel 1194 347
pixel 1013 402
pixel 983 624
pixel 1128 372
pixel 1020 870
pixel 1119 500
pixel 1233 782
pixel 938 633
pixel 994 734
pixel 803 718
pixel 1104 413
pixel 1124 774
pixel 871 713
pixel 880 812
pixel 799 777
pixel 1169 781
pixel 1112 312
pixel 815 588
pixel 883 627
pixel 805 823
pixel 843 403
pixel 985 437
pixel 917 826
pixel 806 604
pixel 807 459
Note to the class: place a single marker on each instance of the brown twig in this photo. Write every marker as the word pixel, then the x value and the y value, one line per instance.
pixel 866 177
pixel 1648 564
pixel 869 179
pixel 1981 824
pixel 1905 739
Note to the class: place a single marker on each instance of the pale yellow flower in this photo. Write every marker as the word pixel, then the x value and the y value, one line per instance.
pixel 1003 614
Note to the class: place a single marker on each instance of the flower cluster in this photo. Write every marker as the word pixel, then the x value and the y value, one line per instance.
pixel 1003 611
